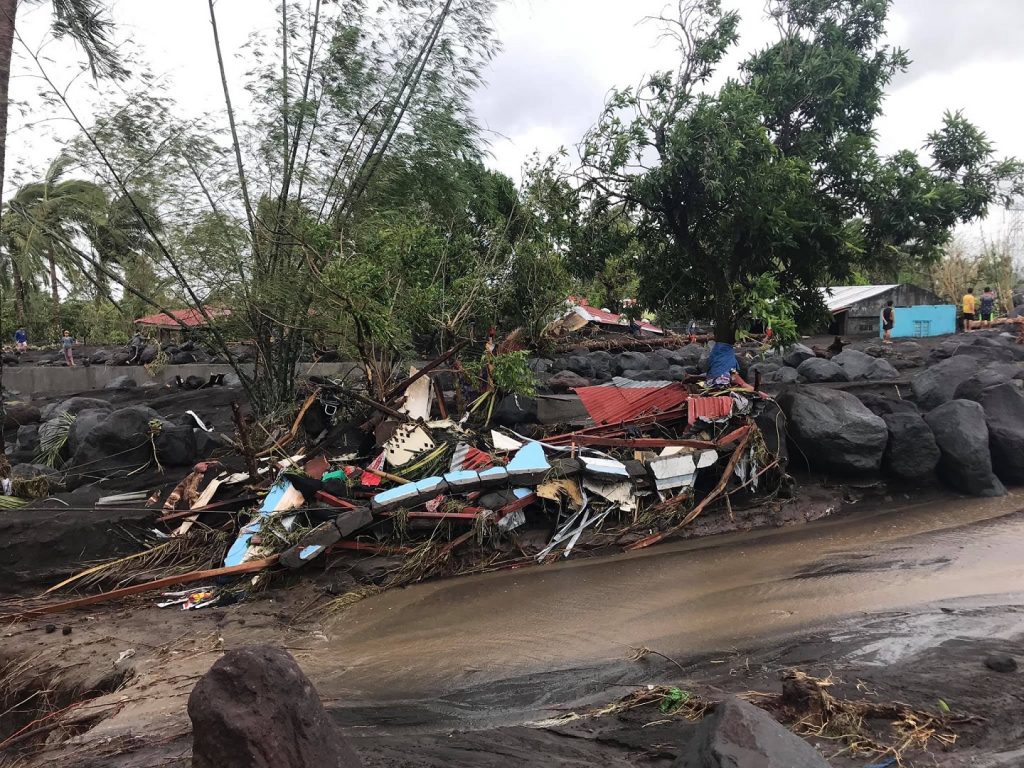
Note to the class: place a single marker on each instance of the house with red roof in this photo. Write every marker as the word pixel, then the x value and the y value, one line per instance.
pixel 170 325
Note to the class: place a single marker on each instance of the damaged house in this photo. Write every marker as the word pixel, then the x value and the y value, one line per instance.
pixel 856 310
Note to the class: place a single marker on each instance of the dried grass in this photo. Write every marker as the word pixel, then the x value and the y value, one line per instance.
pixel 814 711
pixel 200 550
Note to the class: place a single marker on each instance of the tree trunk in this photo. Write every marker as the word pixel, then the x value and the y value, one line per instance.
pixel 55 294
pixel 19 294
pixel 725 322
pixel 8 12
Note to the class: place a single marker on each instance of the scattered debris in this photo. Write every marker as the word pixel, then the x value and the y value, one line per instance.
pixel 397 468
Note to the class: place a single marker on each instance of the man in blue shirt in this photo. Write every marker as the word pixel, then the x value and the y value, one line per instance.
pixel 21 340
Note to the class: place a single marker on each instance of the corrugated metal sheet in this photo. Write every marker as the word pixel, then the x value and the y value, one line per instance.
pixel 613 404
pixel 840 297
pixel 708 408
pixel 595 315
pixel 621 383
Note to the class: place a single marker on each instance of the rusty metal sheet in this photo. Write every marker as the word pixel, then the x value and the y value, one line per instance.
pixel 708 408
pixel 614 405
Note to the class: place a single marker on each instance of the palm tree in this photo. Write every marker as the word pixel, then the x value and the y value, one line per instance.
pixel 81 20
pixel 42 222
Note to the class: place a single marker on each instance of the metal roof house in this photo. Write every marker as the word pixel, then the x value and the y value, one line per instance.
pixel 856 309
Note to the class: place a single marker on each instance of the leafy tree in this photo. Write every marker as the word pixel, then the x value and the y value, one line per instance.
pixel 81 20
pixel 777 172
pixel 42 221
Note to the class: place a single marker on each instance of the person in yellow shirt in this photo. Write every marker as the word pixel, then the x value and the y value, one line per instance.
pixel 969 306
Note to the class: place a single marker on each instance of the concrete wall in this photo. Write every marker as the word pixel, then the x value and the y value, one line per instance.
pixel 46 380
pixel 928 320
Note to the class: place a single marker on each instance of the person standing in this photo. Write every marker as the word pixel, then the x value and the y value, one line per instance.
pixel 888 321
pixel 988 307
pixel 68 343
pixel 137 344
pixel 969 306
pixel 21 340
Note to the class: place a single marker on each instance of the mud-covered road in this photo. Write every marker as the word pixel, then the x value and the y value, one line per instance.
pixel 439 666
pixel 685 599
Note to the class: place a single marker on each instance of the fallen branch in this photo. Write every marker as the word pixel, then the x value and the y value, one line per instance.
pixel 137 589
pixel 714 494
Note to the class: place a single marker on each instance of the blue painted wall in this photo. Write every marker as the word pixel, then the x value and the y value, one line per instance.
pixel 926 320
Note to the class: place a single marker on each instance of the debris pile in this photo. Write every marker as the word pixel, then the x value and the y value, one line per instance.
pixel 418 475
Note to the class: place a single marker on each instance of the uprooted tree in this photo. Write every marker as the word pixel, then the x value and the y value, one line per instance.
pixel 777 173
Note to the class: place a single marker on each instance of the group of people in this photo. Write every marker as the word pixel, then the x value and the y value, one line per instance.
pixel 67 343
pixel 978 313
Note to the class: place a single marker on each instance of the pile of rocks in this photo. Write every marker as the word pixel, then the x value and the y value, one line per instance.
pixel 964 416
pixel 104 439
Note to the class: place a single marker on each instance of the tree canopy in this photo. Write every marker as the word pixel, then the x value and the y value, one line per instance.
pixel 777 172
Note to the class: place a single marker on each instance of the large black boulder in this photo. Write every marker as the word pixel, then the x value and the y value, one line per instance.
pixel 938 384
pixel 656 362
pixel 688 355
pixel 183 358
pixel 74 405
pixel 516 409
pixel 784 375
pixel 962 436
pixel 880 406
pixel 26 448
pixel 18 414
pixel 148 355
pixel 834 430
pixel 580 365
pixel 1004 416
pixel 739 735
pixel 255 708
pixel 539 364
pixel 566 381
pixel 862 367
pixel 796 354
pixel 120 442
pixel 121 382
pixel 816 370
pixel 603 364
pixel 176 445
pixel 911 453
pixel 990 375
pixel 630 361
pixel 85 422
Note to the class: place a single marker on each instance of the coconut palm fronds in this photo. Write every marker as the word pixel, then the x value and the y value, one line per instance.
pixel 53 440
pixel 200 550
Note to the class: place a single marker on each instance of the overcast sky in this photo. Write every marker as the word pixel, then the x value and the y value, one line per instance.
pixel 561 57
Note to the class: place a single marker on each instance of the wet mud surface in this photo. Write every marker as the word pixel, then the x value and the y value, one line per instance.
pixel 906 601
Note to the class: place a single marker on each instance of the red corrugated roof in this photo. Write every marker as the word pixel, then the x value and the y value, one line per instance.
pixel 709 408
pixel 595 315
pixel 612 405
pixel 192 318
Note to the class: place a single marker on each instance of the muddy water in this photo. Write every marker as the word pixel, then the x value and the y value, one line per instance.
pixel 685 599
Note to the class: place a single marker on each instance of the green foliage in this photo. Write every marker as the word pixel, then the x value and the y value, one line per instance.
pixel 777 172
pixel 512 373
pixel 763 302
